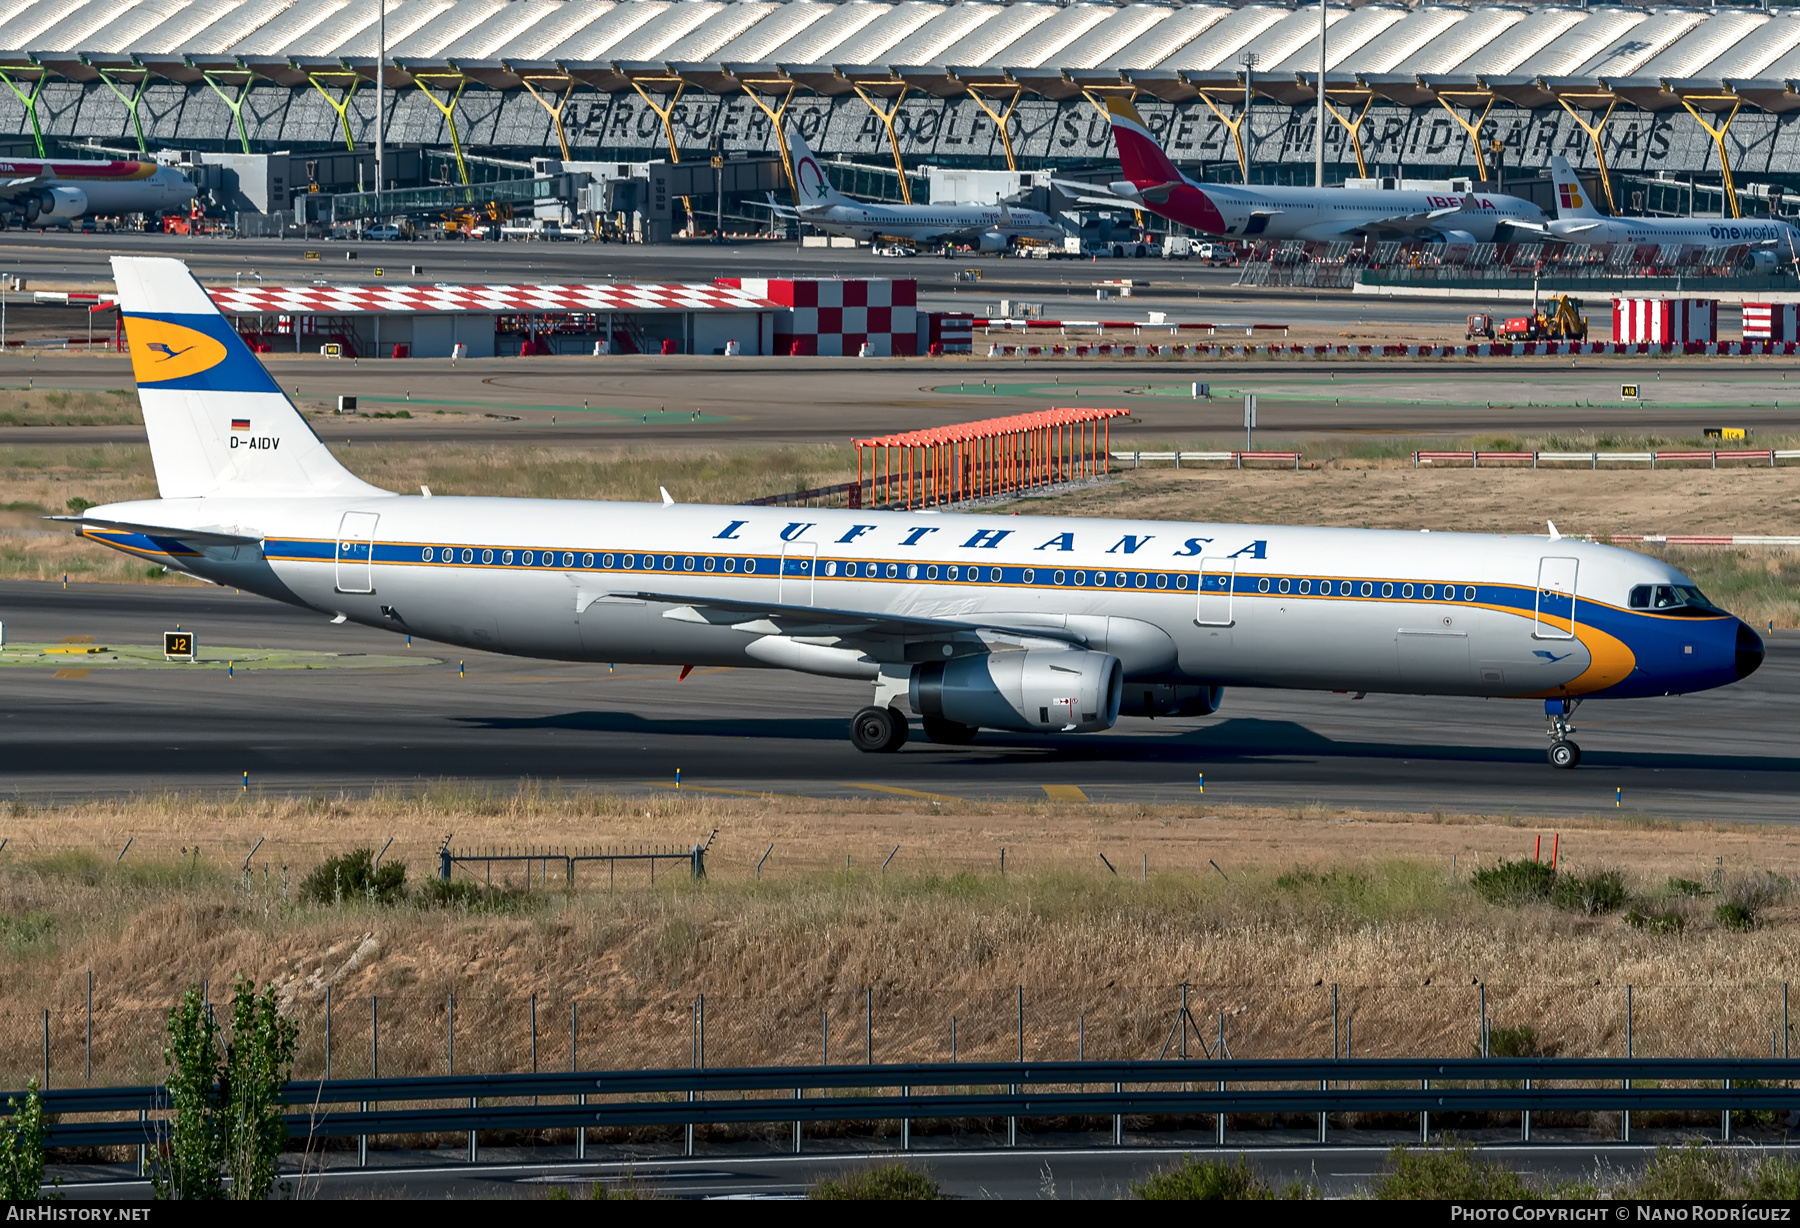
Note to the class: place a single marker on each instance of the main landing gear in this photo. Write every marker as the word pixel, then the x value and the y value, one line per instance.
pixel 1563 753
pixel 878 730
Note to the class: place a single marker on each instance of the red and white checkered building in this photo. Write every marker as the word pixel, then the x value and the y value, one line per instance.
pixel 426 321
pixel 1665 321
pixel 838 316
pixel 1772 321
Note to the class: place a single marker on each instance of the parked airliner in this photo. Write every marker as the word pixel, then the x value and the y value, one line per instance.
pixel 55 193
pixel 977 621
pixel 1578 221
pixel 1153 182
pixel 991 228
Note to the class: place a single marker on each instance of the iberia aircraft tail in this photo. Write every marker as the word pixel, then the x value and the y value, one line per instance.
pixel 1140 156
pixel 1571 194
pixel 218 424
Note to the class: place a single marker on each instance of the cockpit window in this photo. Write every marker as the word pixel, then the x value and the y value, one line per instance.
pixel 1682 600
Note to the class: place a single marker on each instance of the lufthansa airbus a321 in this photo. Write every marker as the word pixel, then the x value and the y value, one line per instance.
pixel 980 621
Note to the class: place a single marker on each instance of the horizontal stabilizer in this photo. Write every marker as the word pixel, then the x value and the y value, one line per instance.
pixel 197 537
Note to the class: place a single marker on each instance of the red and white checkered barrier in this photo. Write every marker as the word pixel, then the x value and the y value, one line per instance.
pixel 417 300
pixel 1772 321
pixel 837 316
pixel 1665 321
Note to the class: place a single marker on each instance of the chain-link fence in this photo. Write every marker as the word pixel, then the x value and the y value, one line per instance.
pixel 75 1041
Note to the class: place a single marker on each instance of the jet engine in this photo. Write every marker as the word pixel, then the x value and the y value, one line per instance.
pixel 62 202
pixel 992 241
pixel 1762 262
pixel 1164 699
pixel 1034 690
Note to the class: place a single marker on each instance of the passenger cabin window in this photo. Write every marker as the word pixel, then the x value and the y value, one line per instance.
pixel 1681 600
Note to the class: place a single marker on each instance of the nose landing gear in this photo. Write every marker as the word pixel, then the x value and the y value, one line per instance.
pixel 1563 753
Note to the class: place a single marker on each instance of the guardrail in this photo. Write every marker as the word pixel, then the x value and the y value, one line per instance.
pixel 1595 459
pixel 1208 1088
pixel 1235 459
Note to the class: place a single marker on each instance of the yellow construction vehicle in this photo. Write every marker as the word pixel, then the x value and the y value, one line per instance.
pixel 472 221
pixel 1559 320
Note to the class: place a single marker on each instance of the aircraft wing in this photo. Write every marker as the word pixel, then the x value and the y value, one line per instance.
pixel 198 537
pixel 10 188
pixel 820 620
pixel 778 209
pixel 1555 236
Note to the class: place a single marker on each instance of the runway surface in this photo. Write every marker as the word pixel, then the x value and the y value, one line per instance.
pixel 1723 754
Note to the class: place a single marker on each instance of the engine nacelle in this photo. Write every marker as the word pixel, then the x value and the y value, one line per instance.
pixel 1163 699
pixel 1037 690
pixel 992 241
pixel 61 202
pixel 1762 262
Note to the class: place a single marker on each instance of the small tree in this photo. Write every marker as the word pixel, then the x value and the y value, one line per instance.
pixel 258 1063
pixel 189 1167
pixel 22 1147
pixel 226 1099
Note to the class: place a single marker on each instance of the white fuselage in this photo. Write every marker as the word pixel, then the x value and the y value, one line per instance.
pixel 1256 605
pixel 1689 232
pixel 930 223
pixel 1335 213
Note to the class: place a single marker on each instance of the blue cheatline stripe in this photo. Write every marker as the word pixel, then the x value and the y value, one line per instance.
pixel 140 543
pixel 1514 598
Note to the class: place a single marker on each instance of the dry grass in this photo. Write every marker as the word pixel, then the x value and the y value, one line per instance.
pixel 67 407
pixel 1381 914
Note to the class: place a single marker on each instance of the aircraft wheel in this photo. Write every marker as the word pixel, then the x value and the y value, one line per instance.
pixel 878 731
pixel 1565 755
pixel 948 733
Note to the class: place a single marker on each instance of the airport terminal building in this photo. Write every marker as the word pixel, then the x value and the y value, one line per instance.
pixel 1655 96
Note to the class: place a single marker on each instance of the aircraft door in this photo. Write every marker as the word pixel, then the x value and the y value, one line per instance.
pixel 1556 599
pixel 1218 579
pixel 355 552
pixel 798 562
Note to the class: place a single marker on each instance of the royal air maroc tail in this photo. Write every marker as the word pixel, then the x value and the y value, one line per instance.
pixel 1038 625
pixel 1153 182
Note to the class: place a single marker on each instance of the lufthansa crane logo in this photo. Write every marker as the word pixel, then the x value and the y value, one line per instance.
pixel 162 350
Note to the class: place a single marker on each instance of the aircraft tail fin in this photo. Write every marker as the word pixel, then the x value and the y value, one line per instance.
pixel 1141 157
pixel 218 423
pixel 812 189
pixel 1571 194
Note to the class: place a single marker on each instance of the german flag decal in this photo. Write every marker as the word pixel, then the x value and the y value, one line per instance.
pixel 240 424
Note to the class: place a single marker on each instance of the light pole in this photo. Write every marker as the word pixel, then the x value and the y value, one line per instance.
pixel 1249 74
pixel 380 101
pixel 1319 134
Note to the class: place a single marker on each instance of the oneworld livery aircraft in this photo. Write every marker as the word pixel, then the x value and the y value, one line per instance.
pixel 1318 214
pixel 981 621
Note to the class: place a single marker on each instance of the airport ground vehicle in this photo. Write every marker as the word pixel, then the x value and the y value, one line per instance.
pixel 1559 320
pixel 1480 324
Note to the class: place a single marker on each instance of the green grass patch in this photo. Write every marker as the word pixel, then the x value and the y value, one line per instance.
pixel 883 1183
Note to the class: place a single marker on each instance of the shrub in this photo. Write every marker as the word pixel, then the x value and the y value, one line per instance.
pixel 22 1147
pixel 1521 1041
pixel 1450 1172
pixel 1206 1181
pixel 1664 922
pixel 1689 887
pixel 1603 891
pixel 1736 915
pixel 354 876
pixel 1684 1173
pixel 1514 882
pixel 472 896
pixel 1773 1177
pixel 884 1183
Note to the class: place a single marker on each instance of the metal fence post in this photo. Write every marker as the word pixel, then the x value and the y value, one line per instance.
pixel 90 1026
pixel 581 1098
pixel 1012 1123
pixel 45 1085
pixel 1724 1118
pixel 450 1036
pixel 328 1031
pixel 1625 1114
pixel 1424 1116
pixel 533 1033
pixel 362 1140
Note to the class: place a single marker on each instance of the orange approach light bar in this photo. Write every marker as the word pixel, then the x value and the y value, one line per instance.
pixel 979 460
